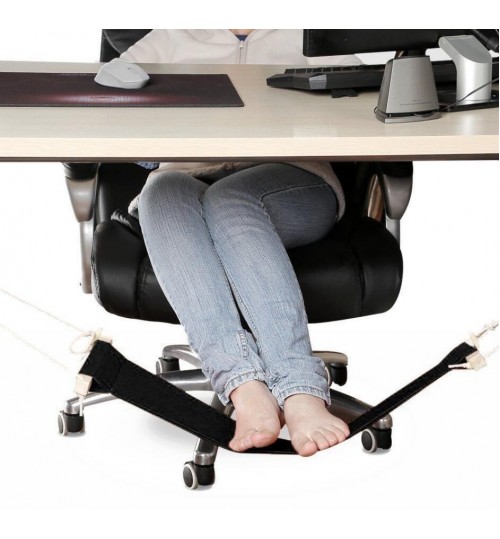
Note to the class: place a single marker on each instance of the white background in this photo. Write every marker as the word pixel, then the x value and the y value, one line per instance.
pixel 441 476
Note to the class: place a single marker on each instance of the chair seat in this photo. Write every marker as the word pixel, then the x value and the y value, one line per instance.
pixel 354 271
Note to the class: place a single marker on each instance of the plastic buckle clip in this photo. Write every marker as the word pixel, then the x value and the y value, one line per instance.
pixel 477 360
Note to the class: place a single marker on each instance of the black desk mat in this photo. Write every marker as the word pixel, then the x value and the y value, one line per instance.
pixel 80 90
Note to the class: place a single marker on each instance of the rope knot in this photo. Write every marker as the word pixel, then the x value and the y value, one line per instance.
pixel 91 336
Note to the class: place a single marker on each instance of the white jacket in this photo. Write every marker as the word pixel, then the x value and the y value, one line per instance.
pixel 223 47
pixel 280 47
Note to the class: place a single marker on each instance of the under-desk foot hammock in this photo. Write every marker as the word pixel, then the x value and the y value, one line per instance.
pixel 106 370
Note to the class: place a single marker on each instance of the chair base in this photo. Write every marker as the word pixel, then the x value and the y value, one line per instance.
pixel 200 471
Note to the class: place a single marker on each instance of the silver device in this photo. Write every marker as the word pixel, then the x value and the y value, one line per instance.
pixel 474 68
pixel 408 91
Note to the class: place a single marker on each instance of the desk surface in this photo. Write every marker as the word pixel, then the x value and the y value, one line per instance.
pixel 275 124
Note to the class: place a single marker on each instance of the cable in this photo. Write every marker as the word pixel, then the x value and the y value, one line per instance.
pixel 469 94
pixel 444 108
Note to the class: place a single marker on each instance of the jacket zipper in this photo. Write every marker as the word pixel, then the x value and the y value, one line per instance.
pixel 242 44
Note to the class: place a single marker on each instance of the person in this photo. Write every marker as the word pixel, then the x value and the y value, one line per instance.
pixel 217 234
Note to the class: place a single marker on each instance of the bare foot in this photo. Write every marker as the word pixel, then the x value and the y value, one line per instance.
pixel 311 426
pixel 258 416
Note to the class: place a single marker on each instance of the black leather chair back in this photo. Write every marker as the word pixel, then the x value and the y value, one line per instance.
pixel 114 42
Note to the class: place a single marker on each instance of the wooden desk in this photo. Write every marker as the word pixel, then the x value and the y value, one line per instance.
pixel 275 124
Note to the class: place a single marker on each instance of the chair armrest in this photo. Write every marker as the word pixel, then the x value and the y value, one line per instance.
pixel 396 180
pixel 80 171
pixel 389 193
pixel 81 183
pixel 81 180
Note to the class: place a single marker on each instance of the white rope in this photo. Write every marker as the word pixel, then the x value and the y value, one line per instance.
pixel 41 310
pixel 92 336
pixel 48 356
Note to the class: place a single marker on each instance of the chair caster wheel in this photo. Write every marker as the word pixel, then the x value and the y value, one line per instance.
pixel 336 375
pixel 167 365
pixel 373 439
pixel 70 423
pixel 195 475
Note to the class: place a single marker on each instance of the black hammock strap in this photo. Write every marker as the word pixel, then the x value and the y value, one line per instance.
pixel 457 356
pixel 112 373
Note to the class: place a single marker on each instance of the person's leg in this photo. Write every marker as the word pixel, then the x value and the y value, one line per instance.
pixel 253 216
pixel 193 280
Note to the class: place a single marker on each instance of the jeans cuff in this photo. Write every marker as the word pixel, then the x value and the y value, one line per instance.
pixel 237 380
pixel 286 392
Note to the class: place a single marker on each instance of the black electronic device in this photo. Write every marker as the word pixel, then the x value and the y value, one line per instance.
pixel 336 42
pixel 356 76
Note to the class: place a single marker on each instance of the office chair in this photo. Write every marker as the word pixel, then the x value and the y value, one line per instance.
pixel 356 270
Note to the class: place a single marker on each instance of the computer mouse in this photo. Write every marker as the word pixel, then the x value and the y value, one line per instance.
pixel 121 74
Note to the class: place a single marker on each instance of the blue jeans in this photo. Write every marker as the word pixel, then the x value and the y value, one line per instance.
pixel 210 242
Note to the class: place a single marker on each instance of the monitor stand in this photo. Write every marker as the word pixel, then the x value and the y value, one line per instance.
pixel 473 62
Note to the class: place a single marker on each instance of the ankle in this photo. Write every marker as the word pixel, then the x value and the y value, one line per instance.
pixel 248 390
pixel 304 399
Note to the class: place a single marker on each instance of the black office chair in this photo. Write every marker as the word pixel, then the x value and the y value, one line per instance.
pixel 356 270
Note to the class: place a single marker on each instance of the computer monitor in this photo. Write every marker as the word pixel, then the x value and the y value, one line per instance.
pixel 337 42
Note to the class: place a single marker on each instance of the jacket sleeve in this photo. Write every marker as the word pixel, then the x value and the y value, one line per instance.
pixel 150 49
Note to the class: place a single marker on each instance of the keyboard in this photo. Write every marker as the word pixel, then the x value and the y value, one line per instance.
pixel 356 77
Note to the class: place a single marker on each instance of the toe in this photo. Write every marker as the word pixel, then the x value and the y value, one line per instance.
pixel 333 438
pixel 253 438
pixel 246 441
pixel 263 438
pixel 304 446
pixel 308 449
pixel 344 427
pixel 242 442
pixel 320 440
pixel 340 429
pixel 341 435
pixel 234 444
